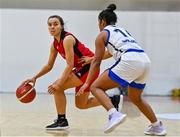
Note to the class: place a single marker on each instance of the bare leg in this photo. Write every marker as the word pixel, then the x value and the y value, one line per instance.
pixel 83 102
pixel 59 96
pixel 60 101
pixel 98 89
pixel 135 96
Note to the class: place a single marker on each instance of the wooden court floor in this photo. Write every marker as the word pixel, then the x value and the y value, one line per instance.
pixel 18 119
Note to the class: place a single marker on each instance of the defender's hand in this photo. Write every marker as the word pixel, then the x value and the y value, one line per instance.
pixel 85 60
pixel 82 89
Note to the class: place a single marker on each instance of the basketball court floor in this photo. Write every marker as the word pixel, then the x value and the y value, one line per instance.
pixel 19 119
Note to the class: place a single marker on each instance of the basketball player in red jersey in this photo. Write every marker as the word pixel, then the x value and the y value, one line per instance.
pixel 78 58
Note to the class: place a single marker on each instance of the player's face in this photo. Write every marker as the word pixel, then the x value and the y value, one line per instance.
pixel 54 26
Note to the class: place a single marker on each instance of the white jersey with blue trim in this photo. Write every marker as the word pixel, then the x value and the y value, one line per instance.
pixel 119 41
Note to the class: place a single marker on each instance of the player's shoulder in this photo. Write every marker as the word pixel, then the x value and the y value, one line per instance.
pixel 68 36
pixel 69 39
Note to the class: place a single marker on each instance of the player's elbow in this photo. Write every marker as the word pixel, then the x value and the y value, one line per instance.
pixel 96 62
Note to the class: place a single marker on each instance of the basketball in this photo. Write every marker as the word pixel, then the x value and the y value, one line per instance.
pixel 26 93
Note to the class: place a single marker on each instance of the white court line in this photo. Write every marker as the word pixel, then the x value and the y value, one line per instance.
pixel 173 116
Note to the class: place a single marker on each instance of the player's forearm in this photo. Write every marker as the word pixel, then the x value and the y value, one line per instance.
pixel 105 56
pixel 95 66
pixel 43 71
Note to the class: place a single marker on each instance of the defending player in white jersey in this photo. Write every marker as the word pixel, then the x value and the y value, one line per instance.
pixel 130 69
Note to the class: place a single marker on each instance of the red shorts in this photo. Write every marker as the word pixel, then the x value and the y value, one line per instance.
pixel 82 73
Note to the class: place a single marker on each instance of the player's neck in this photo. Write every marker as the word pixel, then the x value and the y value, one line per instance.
pixel 57 37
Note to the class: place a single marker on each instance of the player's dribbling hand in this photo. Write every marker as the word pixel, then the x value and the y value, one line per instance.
pixel 82 89
pixel 32 80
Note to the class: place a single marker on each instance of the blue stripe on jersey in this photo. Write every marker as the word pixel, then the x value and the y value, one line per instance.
pixel 115 63
pixel 108 36
pixel 136 85
pixel 115 47
pixel 117 79
pixel 134 50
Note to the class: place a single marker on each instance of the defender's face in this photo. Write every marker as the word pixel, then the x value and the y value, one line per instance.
pixel 54 26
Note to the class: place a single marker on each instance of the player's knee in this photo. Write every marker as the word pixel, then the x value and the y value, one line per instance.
pixel 81 105
pixel 134 99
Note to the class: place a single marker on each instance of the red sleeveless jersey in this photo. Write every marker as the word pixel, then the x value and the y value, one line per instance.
pixel 79 48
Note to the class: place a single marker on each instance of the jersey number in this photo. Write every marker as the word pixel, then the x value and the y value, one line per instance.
pixel 127 36
pixel 125 33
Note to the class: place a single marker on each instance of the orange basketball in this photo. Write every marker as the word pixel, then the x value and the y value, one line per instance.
pixel 26 93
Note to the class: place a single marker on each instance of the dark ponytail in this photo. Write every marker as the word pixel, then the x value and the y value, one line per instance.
pixel 111 7
pixel 108 15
